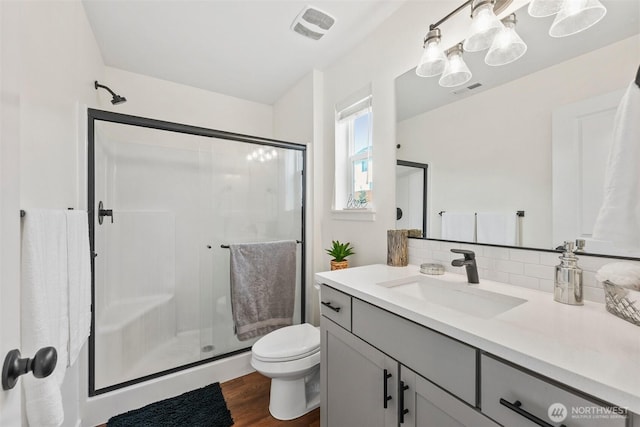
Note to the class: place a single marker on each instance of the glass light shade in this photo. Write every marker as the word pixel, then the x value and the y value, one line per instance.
pixel 576 16
pixel 542 8
pixel 433 60
pixel 456 71
pixel 507 46
pixel 484 26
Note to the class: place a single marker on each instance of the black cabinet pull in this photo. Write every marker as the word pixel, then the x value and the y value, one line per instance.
pixel 328 305
pixel 517 408
pixel 402 411
pixel 387 398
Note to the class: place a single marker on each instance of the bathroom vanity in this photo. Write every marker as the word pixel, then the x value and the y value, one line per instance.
pixel 401 348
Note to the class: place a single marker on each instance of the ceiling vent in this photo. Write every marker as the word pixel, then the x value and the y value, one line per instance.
pixel 312 23
pixel 467 88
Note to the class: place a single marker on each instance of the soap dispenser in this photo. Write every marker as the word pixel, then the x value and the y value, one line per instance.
pixel 568 279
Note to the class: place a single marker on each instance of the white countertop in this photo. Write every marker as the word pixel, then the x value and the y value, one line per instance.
pixel 584 347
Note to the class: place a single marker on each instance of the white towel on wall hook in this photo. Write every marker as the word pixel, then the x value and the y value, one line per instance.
pixel 44 310
pixel 619 216
pixel 79 273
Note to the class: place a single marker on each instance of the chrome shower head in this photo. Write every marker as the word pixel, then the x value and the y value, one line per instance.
pixel 116 99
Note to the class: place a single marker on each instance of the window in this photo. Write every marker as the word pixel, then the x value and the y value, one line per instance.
pixel 354 149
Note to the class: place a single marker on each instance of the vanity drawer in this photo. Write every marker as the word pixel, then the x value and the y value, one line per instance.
pixel 336 306
pixel 442 360
pixel 503 385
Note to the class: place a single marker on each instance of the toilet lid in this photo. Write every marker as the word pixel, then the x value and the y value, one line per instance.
pixel 288 343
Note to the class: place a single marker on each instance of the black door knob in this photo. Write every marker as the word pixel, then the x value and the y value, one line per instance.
pixel 42 365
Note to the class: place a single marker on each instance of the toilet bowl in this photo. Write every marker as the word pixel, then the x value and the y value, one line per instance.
pixel 290 356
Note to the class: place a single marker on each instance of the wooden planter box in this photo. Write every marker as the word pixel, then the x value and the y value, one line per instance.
pixel 339 265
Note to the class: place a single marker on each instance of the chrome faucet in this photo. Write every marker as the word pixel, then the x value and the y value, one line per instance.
pixel 469 262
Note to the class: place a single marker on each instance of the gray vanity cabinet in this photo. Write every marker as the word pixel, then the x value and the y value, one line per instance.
pixel 358 381
pixel 372 358
pixel 427 405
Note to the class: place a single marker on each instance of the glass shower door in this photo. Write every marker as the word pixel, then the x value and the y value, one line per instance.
pixel 147 283
pixel 165 202
pixel 252 193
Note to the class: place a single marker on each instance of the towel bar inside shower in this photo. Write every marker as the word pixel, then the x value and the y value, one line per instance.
pixel 227 246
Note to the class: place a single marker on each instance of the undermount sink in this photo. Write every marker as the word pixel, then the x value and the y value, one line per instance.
pixel 454 295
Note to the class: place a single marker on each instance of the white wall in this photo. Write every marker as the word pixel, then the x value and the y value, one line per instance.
pixel 10 401
pixel 60 61
pixel 165 100
pixel 508 168
pixel 297 117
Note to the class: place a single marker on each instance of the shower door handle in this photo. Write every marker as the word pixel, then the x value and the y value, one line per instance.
pixel 104 212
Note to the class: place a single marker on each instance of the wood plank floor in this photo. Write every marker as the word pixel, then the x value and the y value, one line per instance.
pixel 247 398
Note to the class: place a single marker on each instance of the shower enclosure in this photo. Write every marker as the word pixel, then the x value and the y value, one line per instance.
pixel 167 198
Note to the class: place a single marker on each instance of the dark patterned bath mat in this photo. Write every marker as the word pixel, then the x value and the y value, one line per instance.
pixel 204 407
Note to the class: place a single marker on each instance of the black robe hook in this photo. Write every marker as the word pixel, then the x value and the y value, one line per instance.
pixel 638 77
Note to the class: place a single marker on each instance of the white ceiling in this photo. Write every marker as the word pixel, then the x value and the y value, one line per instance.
pixel 240 48
pixel 416 95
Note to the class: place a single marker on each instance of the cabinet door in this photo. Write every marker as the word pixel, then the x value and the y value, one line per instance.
pixel 423 404
pixel 354 379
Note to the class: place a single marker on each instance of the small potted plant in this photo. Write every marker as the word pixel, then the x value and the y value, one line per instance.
pixel 339 252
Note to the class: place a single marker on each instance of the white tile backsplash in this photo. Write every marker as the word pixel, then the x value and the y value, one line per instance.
pixel 539 271
pixel 494 252
pixel 524 281
pixel 519 267
pixel 512 267
pixel 530 257
pixel 549 258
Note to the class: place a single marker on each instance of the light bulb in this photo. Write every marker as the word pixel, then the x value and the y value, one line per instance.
pixel 576 16
pixel 433 59
pixel 542 8
pixel 507 46
pixel 484 26
pixel 456 71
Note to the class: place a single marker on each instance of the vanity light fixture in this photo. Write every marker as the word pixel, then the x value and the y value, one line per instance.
pixel 542 8
pixel 456 71
pixel 576 16
pixel 484 26
pixel 507 45
pixel 433 59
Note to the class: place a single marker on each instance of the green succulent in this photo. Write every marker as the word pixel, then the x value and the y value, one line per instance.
pixel 339 251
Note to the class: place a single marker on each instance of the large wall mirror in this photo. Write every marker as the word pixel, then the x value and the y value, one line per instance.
pixel 529 139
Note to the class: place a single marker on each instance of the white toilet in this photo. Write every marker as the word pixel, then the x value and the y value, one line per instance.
pixel 290 356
